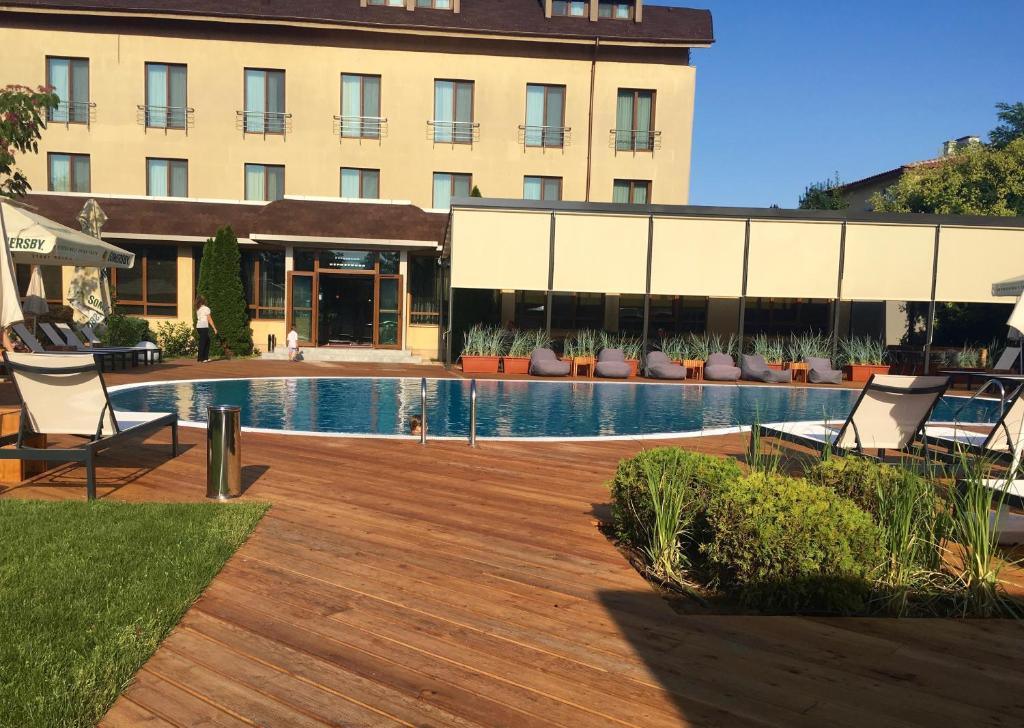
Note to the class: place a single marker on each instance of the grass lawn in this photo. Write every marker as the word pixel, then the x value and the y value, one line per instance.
pixel 87 591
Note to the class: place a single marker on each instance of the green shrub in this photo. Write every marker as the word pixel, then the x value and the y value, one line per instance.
pixel 122 330
pixel 220 281
pixel 177 339
pixel 784 544
pixel 632 510
pixel 859 479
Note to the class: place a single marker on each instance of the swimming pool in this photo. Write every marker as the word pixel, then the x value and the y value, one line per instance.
pixel 552 409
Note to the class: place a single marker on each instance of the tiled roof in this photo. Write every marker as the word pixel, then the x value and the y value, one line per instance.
pixel 288 217
pixel 894 174
pixel 507 17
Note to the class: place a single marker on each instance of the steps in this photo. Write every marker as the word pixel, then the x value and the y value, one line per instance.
pixel 354 354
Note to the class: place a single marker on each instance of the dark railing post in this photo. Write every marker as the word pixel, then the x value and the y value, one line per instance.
pixel 423 411
pixel 472 413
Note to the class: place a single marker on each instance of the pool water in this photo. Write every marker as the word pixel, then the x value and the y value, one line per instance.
pixel 379 406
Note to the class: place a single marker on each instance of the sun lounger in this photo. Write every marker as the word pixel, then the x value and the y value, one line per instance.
pixel 127 352
pixel 889 415
pixel 123 354
pixel 754 368
pixel 1002 440
pixel 611 364
pixel 64 394
pixel 820 371
pixel 659 366
pixel 544 363
pixel 721 368
pixel 26 338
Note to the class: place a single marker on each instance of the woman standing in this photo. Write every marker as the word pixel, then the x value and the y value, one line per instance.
pixel 204 322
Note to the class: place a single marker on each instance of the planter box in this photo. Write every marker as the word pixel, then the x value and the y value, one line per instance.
pixel 863 372
pixel 634 366
pixel 515 364
pixel 480 364
pixel 777 366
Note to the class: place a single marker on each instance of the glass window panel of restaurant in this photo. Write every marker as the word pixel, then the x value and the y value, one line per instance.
pixel 423 280
pixel 53 282
pixel 167 177
pixel 530 309
pixel 542 188
pixel 264 101
pixel 632 191
pixel 263 281
pixel 68 172
pixel 360 106
pixel 545 115
pixel 69 78
pixel 574 311
pixel 264 182
pixel 166 95
pixel 150 288
pixel 448 185
pixel 360 184
pixel 777 316
pixel 572 8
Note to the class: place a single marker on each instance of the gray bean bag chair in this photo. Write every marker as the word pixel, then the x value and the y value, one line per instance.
pixel 820 371
pixel 611 364
pixel 544 363
pixel 721 368
pixel 659 366
pixel 755 368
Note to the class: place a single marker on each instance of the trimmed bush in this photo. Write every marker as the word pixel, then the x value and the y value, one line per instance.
pixel 177 339
pixel 632 509
pixel 858 479
pixel 786 545
pixel 220 281
pixel 122 330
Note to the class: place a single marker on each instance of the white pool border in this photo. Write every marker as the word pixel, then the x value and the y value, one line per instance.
pixel 687 434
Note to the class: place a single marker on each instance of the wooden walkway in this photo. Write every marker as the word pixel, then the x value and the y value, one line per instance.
pixel 393 584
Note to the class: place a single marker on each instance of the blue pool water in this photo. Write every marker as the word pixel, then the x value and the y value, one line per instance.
pixel 505 408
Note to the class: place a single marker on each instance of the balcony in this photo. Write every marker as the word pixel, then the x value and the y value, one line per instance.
pixel 73 112
pixel 453 132
pixel 263 122
pixel 360 127
pixel 634 140
pixel 166 117
pixel 550 137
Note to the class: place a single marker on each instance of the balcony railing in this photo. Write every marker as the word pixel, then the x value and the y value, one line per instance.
pixel 360 127
pixel 453 132
pixel 545 136
pixel 73 112
pixel 635 140
pixel 166 117
pixel 263 122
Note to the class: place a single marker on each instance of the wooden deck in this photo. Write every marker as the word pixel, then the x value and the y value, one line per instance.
pixel 394 584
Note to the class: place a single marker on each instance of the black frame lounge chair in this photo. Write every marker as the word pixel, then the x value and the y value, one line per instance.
pixel 35 347
pixel 544 363
pixel 657 365
pixel 1003 441
pixel 64 394
pixel 611 364
pixel 125 351
pixel 721 368
pixel 889 414
pixel 820 371
pixel 754 368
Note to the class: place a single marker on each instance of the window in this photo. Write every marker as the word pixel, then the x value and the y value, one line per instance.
pixel 615 9
pixel 389 3
pixel 572 311
pixel 575 8
pixel 423 280
pixel 167 177
pixel 545 115
pixel 263 282
pixel 530 309
pixel 786 315
pixel 632 191
pixel 53 283
pixel 151 287
pixel 634 120
pixel 264 182
pixel 542 188
pixel 360 106
pixel 447 186
pixel 668 315
pixel 436 4
pixel 264 101
pixel 68 172
pixel 453 112
pixel 69 78
pixel 166 100
pixel 360 184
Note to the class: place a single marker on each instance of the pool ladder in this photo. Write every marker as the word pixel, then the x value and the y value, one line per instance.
pixel 423 412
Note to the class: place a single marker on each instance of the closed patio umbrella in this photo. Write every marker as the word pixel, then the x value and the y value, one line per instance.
pixel 10 305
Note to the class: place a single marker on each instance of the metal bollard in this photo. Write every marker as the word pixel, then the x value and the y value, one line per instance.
pixel 472 414
pixel 423 411
pixel 223 452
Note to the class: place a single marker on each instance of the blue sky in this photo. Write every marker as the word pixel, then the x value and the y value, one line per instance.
pixel 794 91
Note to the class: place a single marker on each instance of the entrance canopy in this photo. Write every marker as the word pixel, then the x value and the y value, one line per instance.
pixel 37 240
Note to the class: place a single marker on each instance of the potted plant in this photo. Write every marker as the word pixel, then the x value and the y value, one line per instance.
pixel 771 349
pixel 630 346
pixel 696 348
pixel 861 357
pixel 672 347
pixel 482 349
pixel 517 359
pixel 802 346
pixel 582 347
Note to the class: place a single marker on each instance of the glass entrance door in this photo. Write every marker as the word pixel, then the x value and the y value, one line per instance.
pixel 345 310
pixel 301 313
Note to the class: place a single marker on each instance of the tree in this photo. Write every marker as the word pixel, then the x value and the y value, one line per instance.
pixel 220 282
pixel 1012 116
pixel 824 196
pixel 21 121
pixel 475 192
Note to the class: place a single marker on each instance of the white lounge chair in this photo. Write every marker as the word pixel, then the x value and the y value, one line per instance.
pixel 126 352
pixel 1003 440
pixel 109 353
pixel 64 394
pixel 889 415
